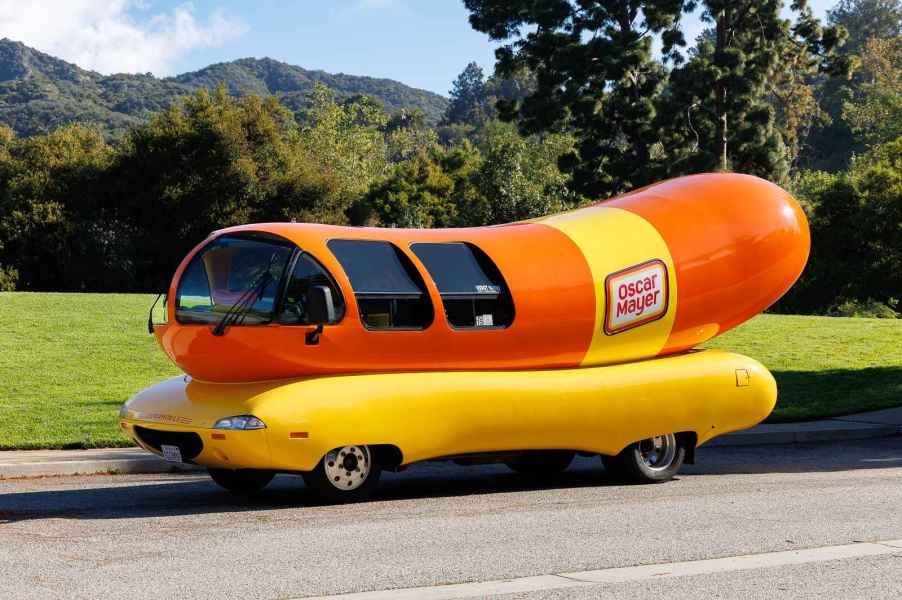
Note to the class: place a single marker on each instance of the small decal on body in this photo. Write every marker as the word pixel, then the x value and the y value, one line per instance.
pixel 636 296
pixel 484 320
pixel 487 289
pixel 161 417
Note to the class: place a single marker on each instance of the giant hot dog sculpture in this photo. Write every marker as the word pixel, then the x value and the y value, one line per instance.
pixel 655 272
pixel 590 296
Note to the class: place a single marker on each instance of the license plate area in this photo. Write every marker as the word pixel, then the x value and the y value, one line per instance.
pixel 171 453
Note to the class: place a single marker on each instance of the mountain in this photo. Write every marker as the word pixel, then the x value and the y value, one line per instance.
pixel 39 92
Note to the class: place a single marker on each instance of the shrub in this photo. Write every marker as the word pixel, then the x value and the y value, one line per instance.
pixel 870 308
pixel 8 279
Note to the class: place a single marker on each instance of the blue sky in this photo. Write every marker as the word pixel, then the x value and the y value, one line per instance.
pixel 423 43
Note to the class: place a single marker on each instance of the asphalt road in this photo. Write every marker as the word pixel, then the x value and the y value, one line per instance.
pixel 158 536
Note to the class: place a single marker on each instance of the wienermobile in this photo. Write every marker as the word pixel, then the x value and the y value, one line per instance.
pixel 338 352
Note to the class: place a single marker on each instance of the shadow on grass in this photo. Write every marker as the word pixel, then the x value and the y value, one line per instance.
pixel 116 403
pixel 807 395
pixel 179 495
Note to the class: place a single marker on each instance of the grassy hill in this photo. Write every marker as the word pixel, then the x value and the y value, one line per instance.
pixel 39 92
pixel 69 361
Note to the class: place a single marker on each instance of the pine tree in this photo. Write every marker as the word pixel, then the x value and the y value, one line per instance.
pixel 717 103
pixel 469 101
pixel 594 75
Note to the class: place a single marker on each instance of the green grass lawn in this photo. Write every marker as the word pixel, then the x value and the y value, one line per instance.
pixel 824 366
pixel 69 361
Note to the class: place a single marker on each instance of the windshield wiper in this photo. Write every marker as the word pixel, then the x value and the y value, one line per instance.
pixel 238 311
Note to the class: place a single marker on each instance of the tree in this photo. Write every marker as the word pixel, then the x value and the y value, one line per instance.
pixel 519 177
pixel 407 135
pixel 345 142
pixel 79 214
pixel 54 226
pixel 792 92
pixel 469 102
pixel 9 275
pixel 856 232
pixel 478 101
pixel 866 19
pixel 209 162
pixel 594 75
pixel 875 112
pixel 505 177
pixel 435 188
pixel 831 145
pixel 720 96
pixel 505 93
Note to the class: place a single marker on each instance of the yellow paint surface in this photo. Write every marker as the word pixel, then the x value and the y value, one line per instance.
pixel 613 239
pixel 434 414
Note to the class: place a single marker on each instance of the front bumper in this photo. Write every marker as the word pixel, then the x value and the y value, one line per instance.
pixel 182 412
pixel 207 447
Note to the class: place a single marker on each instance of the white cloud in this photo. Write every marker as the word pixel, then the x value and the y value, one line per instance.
pixel 106 36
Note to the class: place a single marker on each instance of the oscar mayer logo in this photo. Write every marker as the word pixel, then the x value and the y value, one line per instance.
pixel 636 296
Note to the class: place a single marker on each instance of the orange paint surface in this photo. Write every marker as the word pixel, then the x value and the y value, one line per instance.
pixel 550 282
pixel 737 246
pixel 736 242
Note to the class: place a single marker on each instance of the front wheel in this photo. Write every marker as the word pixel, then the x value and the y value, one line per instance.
pixel 653 460
pixel 241 481
pixel 346 474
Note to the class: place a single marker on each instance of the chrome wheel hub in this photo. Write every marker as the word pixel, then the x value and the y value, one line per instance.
pixel 347 467
pixel 658 452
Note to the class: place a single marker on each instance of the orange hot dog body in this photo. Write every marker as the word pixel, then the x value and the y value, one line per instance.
pixel 696 255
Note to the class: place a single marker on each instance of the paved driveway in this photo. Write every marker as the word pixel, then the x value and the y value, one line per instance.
pixel 178 536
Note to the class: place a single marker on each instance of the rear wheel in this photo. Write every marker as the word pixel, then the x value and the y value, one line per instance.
pixel 653 460
pixel 541 462
pixel 241 481
pixel 346 474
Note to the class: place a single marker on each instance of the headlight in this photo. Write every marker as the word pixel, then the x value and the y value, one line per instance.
pixel 241 422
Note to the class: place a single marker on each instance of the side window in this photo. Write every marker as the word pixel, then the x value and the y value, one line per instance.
pixel 307 272
pixel 473 291
pixel 390 292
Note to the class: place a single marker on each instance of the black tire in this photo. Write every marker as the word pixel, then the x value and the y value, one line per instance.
pixel 632 465
pixel 241 481
pixel 541 462
pixel 335 489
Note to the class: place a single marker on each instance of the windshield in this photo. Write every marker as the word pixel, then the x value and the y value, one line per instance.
pixel 218 275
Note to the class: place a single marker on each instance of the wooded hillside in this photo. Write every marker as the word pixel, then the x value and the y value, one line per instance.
pixel 39 93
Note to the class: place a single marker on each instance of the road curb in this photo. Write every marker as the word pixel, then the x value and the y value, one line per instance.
pixel 860 426
pixel 764 438
pixel 54 463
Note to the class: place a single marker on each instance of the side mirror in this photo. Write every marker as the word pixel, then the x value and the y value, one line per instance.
pixel 320 310
pixel 151 321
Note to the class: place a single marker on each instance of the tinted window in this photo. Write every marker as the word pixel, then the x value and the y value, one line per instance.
pixel 390 292
pixel 229 267
pixel 306 273
pixel 374 268
pixel 473 291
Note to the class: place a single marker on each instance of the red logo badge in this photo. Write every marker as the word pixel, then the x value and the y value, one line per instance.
pixel 636 296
